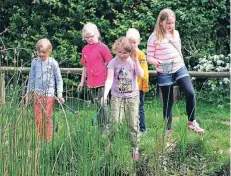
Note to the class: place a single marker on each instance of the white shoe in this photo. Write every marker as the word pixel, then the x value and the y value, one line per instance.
pixel 195 127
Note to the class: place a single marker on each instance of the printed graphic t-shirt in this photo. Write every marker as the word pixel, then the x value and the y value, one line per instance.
pixel 125 80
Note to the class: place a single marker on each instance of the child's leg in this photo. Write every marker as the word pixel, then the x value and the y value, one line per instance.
pixel 185 84
pixel 38 111
pixel 49 124
pixel 103 114
pixel 102 110
pixel 114 120
pixel 132 117
pixel 141 112
pixel 43 108
pixel 167 95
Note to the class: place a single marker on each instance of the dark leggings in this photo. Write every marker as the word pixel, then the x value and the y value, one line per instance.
pixel 102 110
pixel 186 86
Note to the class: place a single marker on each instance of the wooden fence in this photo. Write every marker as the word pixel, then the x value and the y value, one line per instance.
pixel 79 71
pixel 151 72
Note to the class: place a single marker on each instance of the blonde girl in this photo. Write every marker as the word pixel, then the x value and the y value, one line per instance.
pixel 95 57
pixel 123 70
pixel 44 75
pixel 164 51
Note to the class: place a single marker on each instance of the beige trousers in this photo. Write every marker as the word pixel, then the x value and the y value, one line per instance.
pixel 130 108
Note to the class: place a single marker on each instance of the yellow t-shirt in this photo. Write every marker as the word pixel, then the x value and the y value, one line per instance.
pixel 143 82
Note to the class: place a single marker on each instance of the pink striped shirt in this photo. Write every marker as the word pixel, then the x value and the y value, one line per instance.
pixel 166 51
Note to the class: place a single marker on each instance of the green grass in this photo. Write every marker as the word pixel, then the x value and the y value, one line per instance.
pixel 77 147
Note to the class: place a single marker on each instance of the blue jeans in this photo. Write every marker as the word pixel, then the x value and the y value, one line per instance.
pixel 167 79
pixel 141 112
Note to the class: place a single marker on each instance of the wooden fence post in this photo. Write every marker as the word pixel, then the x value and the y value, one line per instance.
pixel 2 89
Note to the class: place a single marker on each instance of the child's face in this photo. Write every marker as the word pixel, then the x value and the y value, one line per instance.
pixel 91 38
pixel 43 53
pixel 169 24
pixel 134 42
pixel 122 54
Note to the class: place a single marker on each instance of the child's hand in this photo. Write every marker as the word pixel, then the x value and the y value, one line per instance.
pixel 156 63
pixel 80 86
pixel 135 57
pixel 153 61
pixel 103 101
pixel 61 100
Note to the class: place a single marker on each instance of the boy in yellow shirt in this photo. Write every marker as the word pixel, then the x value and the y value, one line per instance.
pixel 134 37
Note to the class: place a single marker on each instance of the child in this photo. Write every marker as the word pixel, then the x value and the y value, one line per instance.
pixel 122 80
pixel 95 57
pixel 44 74
pixel 164 47
pixel 134 37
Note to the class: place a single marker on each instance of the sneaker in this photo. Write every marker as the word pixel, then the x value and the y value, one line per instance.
pixel 135 155
pixel 195 126
pixel 168 133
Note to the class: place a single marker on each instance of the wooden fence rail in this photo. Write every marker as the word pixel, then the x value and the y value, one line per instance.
pixel 79 71
pixel 151 72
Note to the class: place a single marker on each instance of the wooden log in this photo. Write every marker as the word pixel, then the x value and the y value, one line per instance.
pixel 151 72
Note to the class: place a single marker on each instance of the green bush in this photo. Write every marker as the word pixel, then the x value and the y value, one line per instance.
pixel 213 90
pixel 203 24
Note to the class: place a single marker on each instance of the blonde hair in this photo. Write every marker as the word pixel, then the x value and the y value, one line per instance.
pixel 44 44
pixel 90 28
pixel 163 15
pixel 124 43
pixel 133 33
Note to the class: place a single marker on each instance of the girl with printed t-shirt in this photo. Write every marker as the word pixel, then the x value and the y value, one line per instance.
pixel 122 80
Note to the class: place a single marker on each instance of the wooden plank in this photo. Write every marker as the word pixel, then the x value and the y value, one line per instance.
pixel 151 72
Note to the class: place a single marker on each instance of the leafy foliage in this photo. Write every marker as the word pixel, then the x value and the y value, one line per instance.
pixel 214 90
pixel 203 24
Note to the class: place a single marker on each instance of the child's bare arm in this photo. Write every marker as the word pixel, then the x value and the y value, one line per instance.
pixel 138 69
pixel 80 86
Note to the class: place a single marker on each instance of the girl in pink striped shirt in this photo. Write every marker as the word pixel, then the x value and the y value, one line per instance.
pixel 164 51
